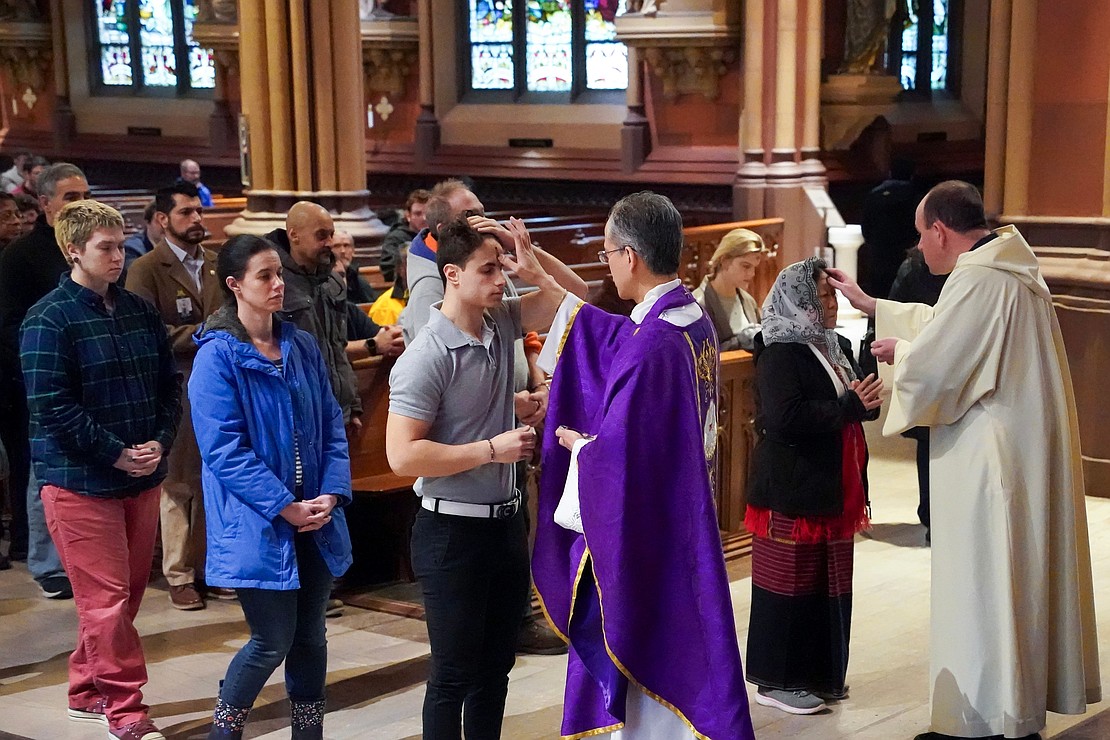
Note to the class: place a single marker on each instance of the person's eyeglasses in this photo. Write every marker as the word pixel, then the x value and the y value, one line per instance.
pixel 603 255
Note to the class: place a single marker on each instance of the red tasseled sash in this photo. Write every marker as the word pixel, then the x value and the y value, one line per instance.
pixel 854 518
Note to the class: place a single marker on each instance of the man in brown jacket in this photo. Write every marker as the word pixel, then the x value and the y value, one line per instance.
pixel 179 278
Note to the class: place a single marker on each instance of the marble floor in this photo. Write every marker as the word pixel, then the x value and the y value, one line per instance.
pixel 378 662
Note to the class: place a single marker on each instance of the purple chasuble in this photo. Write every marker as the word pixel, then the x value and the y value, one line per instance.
pixel 642 596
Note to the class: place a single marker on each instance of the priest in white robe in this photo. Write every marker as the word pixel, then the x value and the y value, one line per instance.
pixel 1012 614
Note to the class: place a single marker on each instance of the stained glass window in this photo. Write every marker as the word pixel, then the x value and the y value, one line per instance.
pixel 568 46
pixel 549 45
pixel 147 45
pixel 113 33
pixel 202 65
pixel 606 58
pixel 938 48
pixel 491 31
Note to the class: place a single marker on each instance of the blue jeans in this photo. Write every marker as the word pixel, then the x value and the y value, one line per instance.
pixel 475 579
pixel 285 625
pixel 42 556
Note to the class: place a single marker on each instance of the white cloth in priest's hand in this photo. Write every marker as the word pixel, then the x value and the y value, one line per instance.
pixel 568 514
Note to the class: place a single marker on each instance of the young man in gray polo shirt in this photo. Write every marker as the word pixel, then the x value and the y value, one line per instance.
pixel 451 422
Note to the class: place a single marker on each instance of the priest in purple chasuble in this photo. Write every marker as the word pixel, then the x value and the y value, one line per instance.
pixel 628 559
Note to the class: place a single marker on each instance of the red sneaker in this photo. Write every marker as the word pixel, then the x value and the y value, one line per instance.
pixel 92 713
pixel 144 729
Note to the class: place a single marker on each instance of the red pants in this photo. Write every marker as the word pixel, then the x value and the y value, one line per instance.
pixel 106 546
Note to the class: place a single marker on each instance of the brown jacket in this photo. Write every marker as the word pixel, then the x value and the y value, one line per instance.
pixel 161 279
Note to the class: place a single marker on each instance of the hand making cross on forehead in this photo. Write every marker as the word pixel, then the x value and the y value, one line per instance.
pixel 524 262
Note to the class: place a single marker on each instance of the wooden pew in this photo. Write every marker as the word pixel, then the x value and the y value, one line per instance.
pixel 132 202
pixel 701 241
pixel 735 442
pixel 219 216
pixel 381 517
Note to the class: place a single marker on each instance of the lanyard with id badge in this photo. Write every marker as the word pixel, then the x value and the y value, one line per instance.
pixel 184 304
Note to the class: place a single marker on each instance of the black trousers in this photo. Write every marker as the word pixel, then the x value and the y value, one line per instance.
pixel 14 421
pixel 923 479
pixel 474 574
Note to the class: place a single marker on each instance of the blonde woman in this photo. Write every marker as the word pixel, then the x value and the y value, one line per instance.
pixel 725 293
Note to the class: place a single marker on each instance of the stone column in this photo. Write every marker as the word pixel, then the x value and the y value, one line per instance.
pixel 65 122
pixel 751 178
pixel 635 136
pixel 779 126
pixel 302 89
pixel 813 170
pixel 426 138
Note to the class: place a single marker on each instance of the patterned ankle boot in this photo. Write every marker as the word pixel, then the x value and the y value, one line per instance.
pixel 228 721
pixel 308 719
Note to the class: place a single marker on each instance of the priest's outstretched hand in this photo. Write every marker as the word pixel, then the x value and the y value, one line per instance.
pixel 883 349
pixel 843 282
pixel 567 437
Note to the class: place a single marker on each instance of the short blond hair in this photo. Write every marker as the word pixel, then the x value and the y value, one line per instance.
pixel 446 187
pixel 77 221
pixel 735 243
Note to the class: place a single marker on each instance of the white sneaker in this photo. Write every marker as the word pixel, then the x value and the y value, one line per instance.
pixel 794 702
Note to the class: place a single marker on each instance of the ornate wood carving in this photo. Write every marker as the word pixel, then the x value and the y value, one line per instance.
pixel 390 47
pixel 735 440
pixel 387 69
pixel 700 243
pixel 692 69
pixel 688 51
pixel 25 54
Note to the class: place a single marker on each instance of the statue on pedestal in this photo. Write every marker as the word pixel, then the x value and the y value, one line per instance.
pixel 867 30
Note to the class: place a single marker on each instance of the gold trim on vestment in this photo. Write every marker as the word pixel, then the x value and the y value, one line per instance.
pixel 574 591
pixel 594 733
pixel 566 332
pixel 627 674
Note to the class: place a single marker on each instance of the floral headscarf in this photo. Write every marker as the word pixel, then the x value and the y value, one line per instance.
pixel 792 313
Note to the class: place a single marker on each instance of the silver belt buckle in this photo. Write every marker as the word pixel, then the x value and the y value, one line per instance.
pixel 507 510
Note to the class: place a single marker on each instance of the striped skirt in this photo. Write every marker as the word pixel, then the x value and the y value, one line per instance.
pixel 801 614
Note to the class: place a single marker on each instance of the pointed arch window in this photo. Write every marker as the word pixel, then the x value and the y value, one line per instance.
pixel 146 47
pixel 542 50
pixel 922 50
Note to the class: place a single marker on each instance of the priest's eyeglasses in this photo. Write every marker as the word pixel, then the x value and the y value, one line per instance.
pixel 603 255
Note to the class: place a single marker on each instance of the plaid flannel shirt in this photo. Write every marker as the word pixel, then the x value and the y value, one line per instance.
pixel 97 382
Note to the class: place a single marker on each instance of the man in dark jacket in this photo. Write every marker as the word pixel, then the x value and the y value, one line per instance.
pixel 403 232
pixel 316 298
pixel 29 269
pixel 888 231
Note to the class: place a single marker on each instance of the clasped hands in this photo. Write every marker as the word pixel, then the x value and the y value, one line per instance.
pixel 311 514
pixel 389 341
pixel 868 389
pixel 139 460
pixel 531 406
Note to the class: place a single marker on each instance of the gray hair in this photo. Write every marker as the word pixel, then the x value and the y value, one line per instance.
pixel 50 177
pixel 651 225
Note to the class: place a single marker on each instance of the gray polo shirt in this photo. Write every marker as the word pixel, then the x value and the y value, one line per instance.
pixel 464 388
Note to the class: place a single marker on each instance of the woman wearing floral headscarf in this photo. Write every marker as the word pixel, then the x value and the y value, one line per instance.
pixel 808 495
